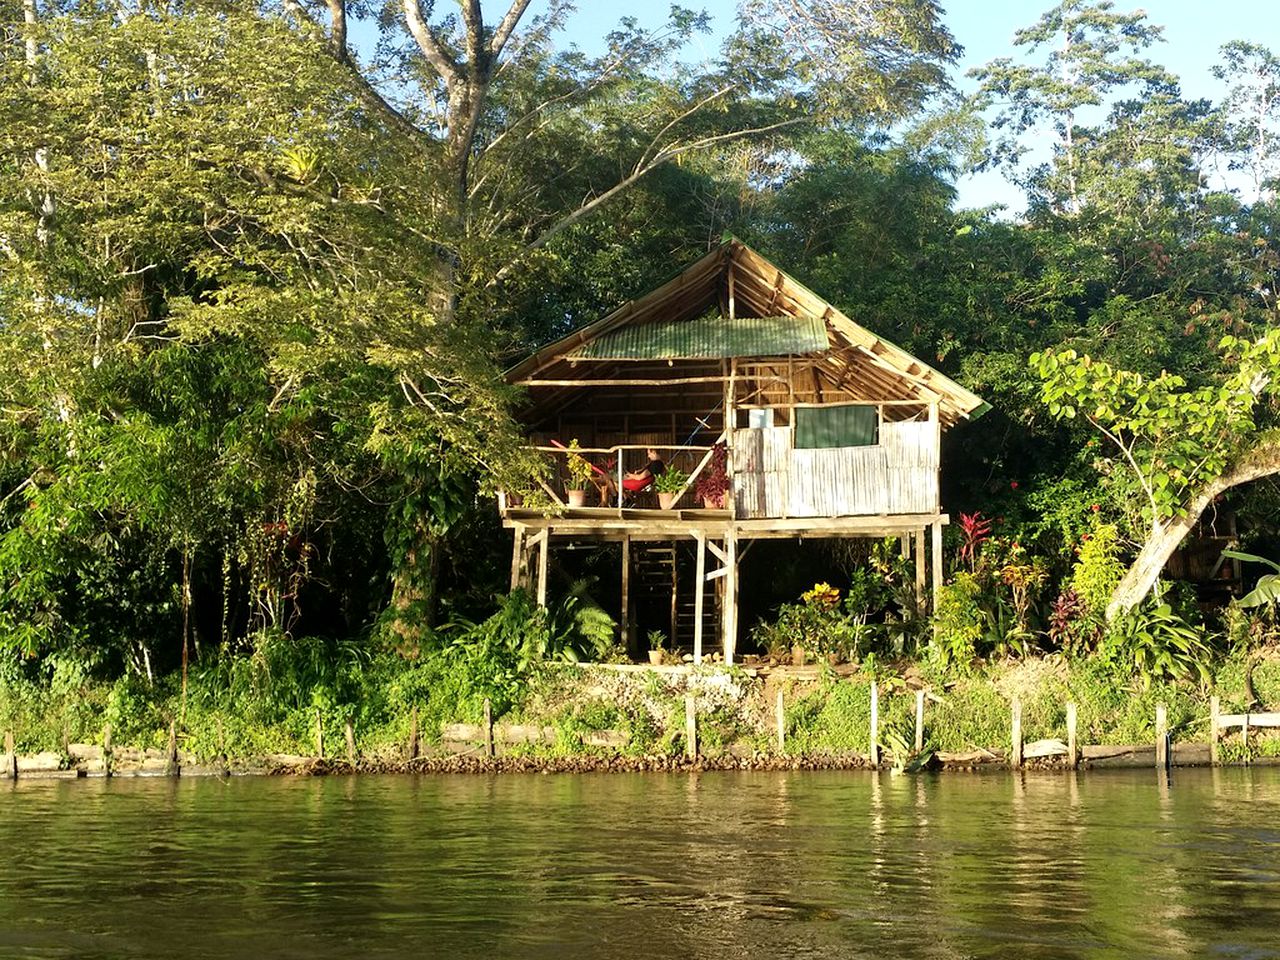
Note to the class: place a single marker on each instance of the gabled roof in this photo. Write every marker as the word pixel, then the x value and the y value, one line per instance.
pixel 772 309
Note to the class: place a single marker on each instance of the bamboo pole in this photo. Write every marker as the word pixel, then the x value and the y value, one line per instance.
pixel 106 748
pixel 699 590
pixel 1073 754
pixel 10 756
pixel 171 757
pixel 488 728
pixel 874 754
pixel 919 720
pixel 690 725
pixel 1244 737
pixel 413 733
pixel 780 717
pixel 1215 709
pixel 1162 736
pixel 1015 755
pixel 319 735
pixel 350 732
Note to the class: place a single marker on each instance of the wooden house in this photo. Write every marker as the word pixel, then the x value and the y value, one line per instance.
pixel 829 430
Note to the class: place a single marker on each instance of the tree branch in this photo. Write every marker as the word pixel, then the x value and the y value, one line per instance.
pixel 443 64
pixel 502 33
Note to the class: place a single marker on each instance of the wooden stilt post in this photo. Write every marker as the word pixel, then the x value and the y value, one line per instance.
pixel 874 745
pixel 780 717
pixel 1015 755
pixel 690 725
pixel 1215 709
pixel 350 732
pixel 1162 737
pixel 319 735
pixel 730 596
pixel 699 590
pixel 624 617
pixel 920 569
pixel 488 728
pixel 10 756
pixel 936 559
pixel 517 557
pixel 1073 755
pixel 919 720
pixel 675 606
pixel 544 549
pixel 414 740
pixel 904 545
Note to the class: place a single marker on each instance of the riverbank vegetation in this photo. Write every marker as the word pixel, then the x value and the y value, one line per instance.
pixel 257 281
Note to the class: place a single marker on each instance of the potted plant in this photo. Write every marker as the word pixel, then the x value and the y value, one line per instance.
pixel 657 640
pixel 579 474
pixel 670 483
pixel 713 482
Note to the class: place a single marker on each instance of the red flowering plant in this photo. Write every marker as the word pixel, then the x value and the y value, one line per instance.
pixel 974 529
pixel 713 481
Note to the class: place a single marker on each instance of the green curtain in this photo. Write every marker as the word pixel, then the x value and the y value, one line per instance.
pixel 847 425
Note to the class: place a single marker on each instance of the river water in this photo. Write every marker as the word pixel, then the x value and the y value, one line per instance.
pixel 777 865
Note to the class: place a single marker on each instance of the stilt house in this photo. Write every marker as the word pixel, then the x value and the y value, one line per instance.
pixel 827 430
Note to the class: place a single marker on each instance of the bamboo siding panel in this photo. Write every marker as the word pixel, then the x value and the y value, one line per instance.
pixel 898 475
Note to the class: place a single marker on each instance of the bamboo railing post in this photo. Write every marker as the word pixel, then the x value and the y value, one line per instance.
pixel 413 733
pixel 690 725
pixel 1215 710
pixel 780 716
pixel 350 732
pixel 488 728
pixel 319 735
pixel 1162 737
pixel 1073 754
pixel 1015 725
pixel 10 756
pixel 874 754
pixel 919 720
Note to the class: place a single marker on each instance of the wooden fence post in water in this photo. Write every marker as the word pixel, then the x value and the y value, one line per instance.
pixel 350 731
pixel 1215 709
pixel 10 756
pixel 1015 725
pixel 1162 737
pixel 874 755
pixel 919 720
pixel 413 734
pixel 171 754
pixel 319 734
pixel 690 725
pixel 780 715
pixel 106 750
pixel 1073 755
pixel 1244 737
pixel 488 728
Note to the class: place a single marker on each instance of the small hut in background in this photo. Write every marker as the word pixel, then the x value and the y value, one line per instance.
pixel 824 429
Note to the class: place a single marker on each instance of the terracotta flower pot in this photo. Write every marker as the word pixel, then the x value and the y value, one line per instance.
pixel 666 500
pixel 577 498
pixel 797 656
pixel 655 657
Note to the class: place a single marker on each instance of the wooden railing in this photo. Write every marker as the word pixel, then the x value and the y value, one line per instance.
pixel 617 451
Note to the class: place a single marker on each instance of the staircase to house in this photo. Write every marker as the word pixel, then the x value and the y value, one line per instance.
pixel 662 594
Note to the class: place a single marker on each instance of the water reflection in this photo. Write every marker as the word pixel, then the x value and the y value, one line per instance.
pixel 754 865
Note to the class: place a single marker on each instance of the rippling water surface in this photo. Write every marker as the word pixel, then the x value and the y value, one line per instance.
pixel 719 865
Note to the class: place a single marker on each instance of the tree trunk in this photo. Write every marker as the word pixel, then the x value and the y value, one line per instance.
pixel 1262 461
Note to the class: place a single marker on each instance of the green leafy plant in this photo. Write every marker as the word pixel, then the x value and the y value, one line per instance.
pixel 1158 645
pixel 657 640
pixel 578 466
pixel 958 622
pixel 1267 589
pixel 672 480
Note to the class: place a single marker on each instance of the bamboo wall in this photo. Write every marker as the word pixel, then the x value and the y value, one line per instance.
pixel 898 475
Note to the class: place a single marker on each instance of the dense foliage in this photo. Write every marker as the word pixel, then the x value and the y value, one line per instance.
pixel 257 284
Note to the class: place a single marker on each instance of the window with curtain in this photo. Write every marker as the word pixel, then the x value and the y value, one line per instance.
pixel 846 425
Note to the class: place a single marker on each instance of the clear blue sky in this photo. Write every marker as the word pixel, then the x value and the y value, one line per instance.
pixel 1194 30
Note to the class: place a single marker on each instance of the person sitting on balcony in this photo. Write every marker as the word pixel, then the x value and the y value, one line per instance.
pixel 632 482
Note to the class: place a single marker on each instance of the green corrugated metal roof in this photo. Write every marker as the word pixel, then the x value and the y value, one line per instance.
pixel 710 337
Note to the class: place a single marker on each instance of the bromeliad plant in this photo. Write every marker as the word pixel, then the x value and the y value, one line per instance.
pixel 578 466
